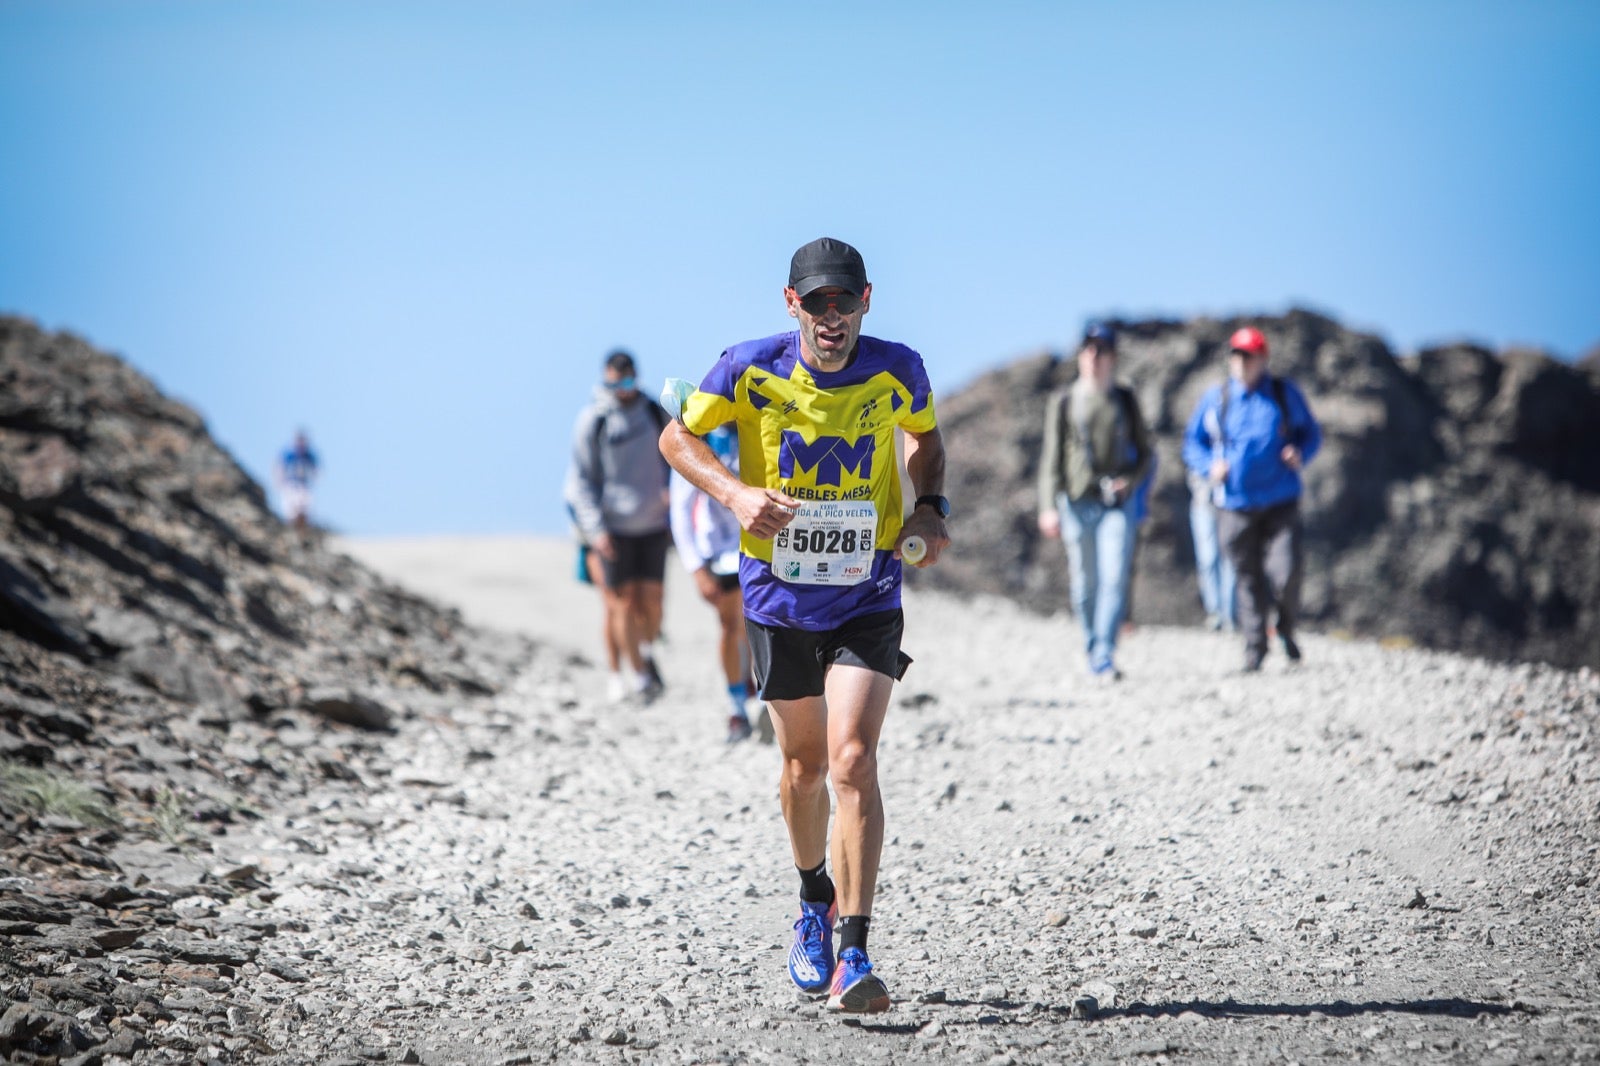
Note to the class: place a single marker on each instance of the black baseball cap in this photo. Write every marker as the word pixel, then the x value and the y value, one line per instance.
pixel 827 263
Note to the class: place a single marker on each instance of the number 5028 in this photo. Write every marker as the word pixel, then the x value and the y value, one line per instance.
pixel 823 541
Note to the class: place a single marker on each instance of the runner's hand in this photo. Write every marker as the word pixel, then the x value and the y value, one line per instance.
pixel 1291 457
pixel 602 544
pixel 1219 471
pixel 925 523
pixel 1049 525
pixel 762 512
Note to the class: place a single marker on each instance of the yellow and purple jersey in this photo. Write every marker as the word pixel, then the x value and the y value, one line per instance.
pixel 827 439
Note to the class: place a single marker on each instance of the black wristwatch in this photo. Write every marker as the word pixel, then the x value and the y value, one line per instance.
pixel 938 503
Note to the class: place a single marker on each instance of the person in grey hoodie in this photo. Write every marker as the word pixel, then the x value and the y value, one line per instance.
pixel 616 490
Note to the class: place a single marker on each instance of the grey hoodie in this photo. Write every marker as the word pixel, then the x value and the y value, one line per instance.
pixel 617 482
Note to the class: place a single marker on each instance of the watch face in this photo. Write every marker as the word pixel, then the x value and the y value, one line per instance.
pixel 939 503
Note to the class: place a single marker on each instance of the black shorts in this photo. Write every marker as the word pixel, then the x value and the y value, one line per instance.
pixel 726 582
pixel 790 664
pixel 642 558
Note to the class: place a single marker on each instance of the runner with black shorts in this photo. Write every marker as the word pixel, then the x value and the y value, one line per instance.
pixel 818 500
pixel 616 491
pixel 707 538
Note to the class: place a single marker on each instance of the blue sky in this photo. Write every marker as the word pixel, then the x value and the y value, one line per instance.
pixel 416 229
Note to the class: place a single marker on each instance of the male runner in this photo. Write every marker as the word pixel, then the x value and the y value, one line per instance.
pixel 818 499
pixel 707 538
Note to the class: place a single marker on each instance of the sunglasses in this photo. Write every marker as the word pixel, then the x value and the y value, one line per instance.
pixel 621 386
pixel 816 304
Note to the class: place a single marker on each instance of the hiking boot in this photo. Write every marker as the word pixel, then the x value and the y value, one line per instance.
pixel 855 988
pixel 1104 671
pixel 739 728
pixel 1290 648
pixel 1252 661
pixel 811 957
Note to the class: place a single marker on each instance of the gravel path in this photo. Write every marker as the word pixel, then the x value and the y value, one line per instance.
pixel 1382 855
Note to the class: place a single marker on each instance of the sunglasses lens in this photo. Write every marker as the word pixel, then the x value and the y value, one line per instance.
pixel 847 303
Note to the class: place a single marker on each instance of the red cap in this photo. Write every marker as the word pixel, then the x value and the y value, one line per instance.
pixel 1249 340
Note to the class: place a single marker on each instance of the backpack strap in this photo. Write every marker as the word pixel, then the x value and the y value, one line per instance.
pixel 1125 404
pixel 1222 416
pixel 1281 395
pixel 597 436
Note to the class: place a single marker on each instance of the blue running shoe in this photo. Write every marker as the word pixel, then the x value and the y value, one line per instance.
pixel 855 987
pixel 811 958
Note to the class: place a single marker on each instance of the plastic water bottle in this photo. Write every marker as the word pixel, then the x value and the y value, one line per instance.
pixel 912 549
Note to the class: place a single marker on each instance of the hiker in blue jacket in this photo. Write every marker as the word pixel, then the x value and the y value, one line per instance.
pixel 1249 438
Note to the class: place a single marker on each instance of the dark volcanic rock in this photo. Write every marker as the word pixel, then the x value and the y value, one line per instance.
pixel 1456 502
pixel 37 470
pixel 350 708
pixel 157 625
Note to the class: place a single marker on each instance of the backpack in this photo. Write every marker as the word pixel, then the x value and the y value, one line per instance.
pixel 1280 395
pixel 656 410
pixel 598 433
pixel 1125 403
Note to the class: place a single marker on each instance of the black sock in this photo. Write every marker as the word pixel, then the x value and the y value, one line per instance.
pixel 853 931
pixel 815 885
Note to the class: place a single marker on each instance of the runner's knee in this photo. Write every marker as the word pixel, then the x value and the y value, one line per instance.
pixel 803 774
pixel 854 768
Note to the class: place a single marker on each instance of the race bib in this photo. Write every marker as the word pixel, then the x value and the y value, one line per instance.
pixel 828 543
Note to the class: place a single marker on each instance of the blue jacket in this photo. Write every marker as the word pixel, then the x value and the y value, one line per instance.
pixel 1251 442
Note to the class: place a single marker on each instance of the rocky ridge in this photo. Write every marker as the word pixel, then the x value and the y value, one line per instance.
pixel 1455 504
pixel 342 826
pixel 174 662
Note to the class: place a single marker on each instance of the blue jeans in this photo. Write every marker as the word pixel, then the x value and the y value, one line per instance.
pixel 1218 579
pixel 1099 542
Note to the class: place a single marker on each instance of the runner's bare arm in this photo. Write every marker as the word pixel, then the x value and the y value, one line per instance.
pixel 925 465
pixel 761 511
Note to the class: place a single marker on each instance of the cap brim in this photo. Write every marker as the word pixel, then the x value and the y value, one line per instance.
pixel 848 282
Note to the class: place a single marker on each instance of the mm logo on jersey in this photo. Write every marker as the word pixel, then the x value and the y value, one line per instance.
pixel 829 457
